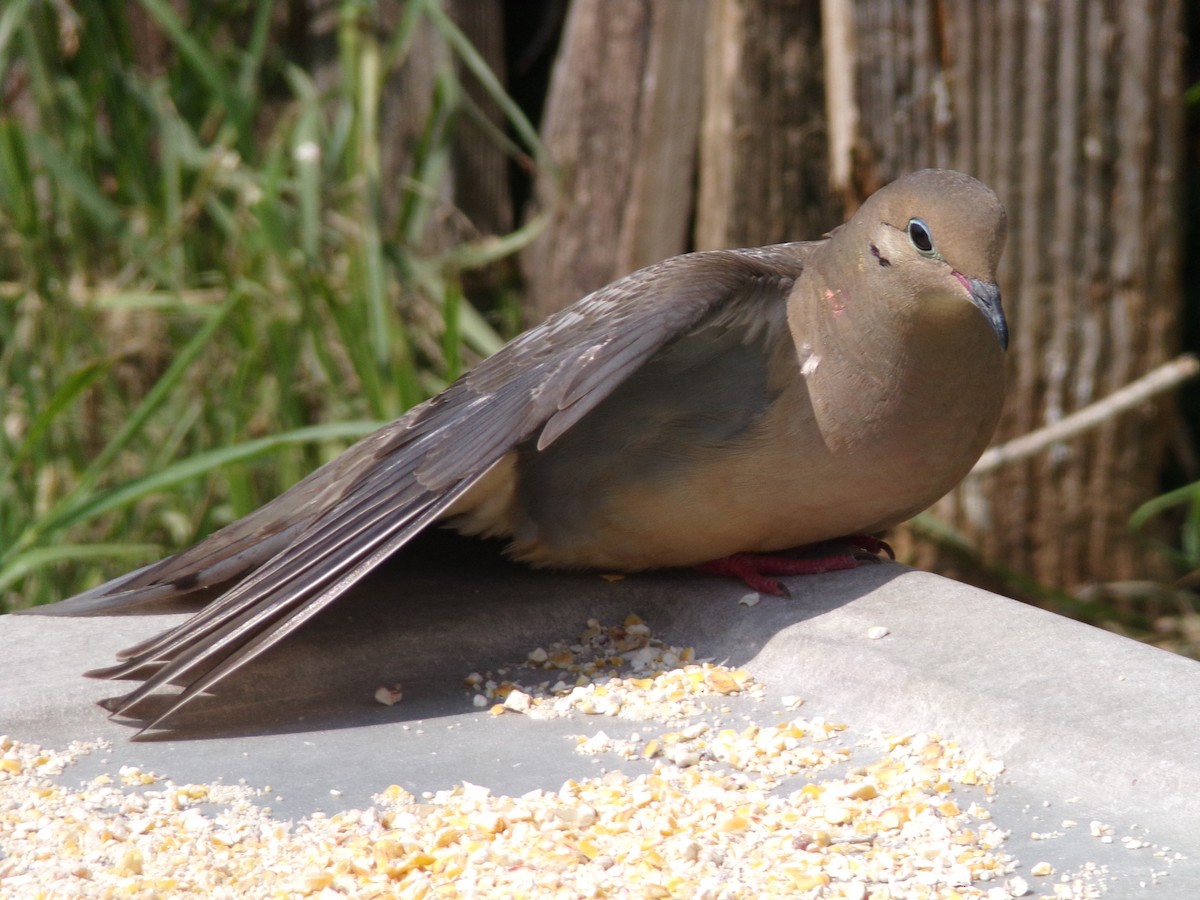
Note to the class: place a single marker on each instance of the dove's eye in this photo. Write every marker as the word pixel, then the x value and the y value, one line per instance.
pixel 918 233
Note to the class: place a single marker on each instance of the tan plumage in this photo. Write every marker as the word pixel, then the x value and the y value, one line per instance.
pixel 714 403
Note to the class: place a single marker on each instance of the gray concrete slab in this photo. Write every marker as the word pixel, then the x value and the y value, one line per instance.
pixel 1090 725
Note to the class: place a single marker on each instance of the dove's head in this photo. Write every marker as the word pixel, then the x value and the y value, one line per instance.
pixel 934 237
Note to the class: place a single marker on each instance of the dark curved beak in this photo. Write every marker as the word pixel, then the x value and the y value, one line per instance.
pixel 986 295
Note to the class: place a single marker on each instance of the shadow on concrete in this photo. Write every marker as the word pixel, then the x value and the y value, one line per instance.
pixel 447 607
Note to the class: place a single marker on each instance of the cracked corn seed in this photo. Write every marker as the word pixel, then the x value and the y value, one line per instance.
pixel 712 820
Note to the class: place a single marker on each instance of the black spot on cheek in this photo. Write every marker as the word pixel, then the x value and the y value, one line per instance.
pixel 883 260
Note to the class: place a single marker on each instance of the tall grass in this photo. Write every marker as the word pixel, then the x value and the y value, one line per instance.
pixel 201 298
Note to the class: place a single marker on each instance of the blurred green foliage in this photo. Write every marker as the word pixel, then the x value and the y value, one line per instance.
pixel 201 298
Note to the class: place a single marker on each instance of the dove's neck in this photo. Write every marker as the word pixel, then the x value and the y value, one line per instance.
pixel 918 368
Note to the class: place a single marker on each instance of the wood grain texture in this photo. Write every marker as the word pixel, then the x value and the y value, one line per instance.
pixel 620 124
pixel 1070 110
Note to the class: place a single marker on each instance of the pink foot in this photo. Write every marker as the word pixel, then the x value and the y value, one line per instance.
pixel 756 569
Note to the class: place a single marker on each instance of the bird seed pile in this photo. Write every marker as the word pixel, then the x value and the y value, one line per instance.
pixel 723 812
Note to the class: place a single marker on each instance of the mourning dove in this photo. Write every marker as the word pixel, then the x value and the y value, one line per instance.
pixel 716 404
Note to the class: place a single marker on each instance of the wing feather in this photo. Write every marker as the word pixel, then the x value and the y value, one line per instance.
pixel 297 554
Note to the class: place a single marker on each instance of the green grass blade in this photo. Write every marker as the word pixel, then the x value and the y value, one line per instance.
pixel 477 333
pixel 478 67
pixel 30 561
pixel 64 511
pixel 484 252
pixel 1187 555
pixel 107 215
pixel 172 191
pixel 203 463
pixel 1189 493
pixel 202 62
pixel 16 182
pixel 372 250
pixel 306 155
pixel 256 47
pixel 70 390
pixel 158 394
pixel 12 20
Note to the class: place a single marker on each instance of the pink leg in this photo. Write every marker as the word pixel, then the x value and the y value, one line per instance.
pixel 756 569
